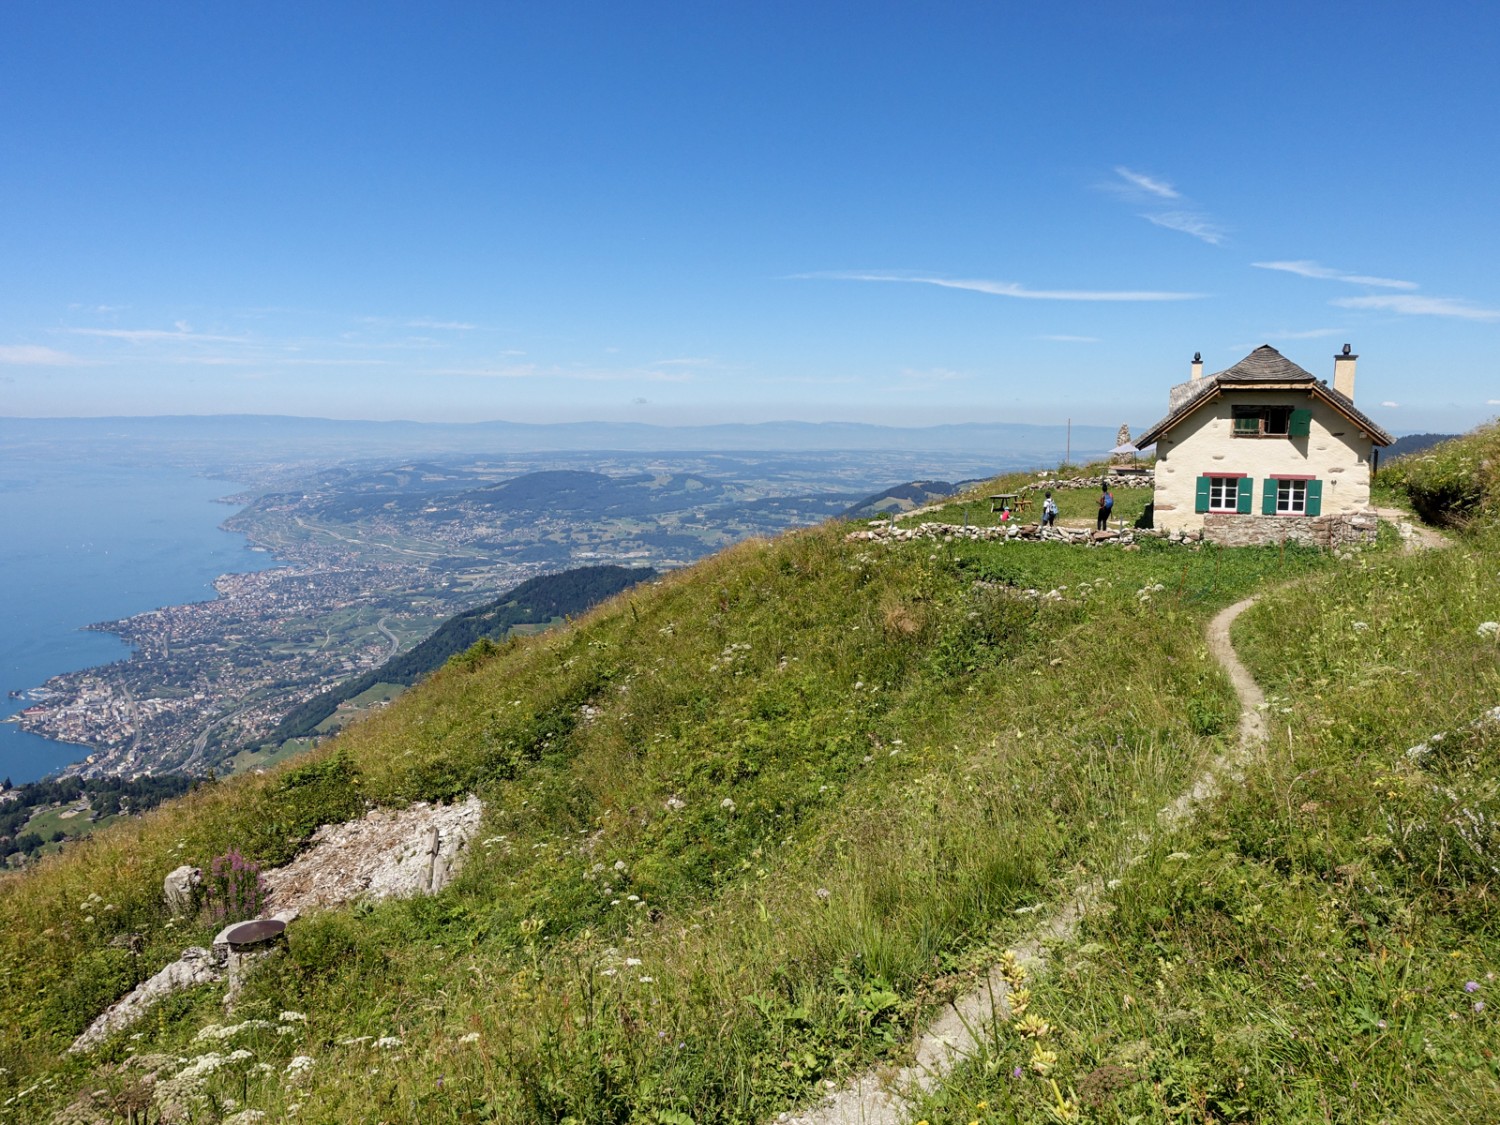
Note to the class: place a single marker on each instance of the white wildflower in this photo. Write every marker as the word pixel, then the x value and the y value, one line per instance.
pixel 1488 628
pixel 727 803
pixel 1360 626
pixel 292 1017
pixel 471 1037
pixel 388 1042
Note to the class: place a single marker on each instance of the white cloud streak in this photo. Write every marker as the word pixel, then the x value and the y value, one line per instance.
pixel 1305 334
pixel 34 355
pixel 1195 223
pixel 1010 288
pixel 1142 182
pixel 1324 273
pixel 1409 304
pixel 153 335
pixel 1390 405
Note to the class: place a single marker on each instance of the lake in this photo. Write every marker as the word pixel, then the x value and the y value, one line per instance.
pixel 87 543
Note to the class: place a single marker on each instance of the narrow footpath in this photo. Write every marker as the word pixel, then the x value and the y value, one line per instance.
pixel 884 1095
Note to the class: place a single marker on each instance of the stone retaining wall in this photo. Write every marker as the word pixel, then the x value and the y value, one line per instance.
pixel 1116 481
pixel 1330 532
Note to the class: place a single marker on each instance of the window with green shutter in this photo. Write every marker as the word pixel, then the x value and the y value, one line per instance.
pixel 1246 487
pixel 1268 496
pixel 1202 498
pixel 1301 423
pixel 1314 497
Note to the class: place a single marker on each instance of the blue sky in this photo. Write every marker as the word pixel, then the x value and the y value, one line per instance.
pixel 693 213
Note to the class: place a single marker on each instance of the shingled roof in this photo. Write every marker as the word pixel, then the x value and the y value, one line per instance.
pixel 1268 366
pixel 1265 365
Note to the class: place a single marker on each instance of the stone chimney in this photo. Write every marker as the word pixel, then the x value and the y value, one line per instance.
pixel 1197 365
pixel 1343 373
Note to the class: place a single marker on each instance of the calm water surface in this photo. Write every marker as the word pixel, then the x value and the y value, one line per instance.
pixel 80 544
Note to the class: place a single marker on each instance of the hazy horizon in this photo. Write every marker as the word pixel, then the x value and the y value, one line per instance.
pixel 699 216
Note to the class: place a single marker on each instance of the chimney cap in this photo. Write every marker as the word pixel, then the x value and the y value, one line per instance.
pixel 1347 350
pixel 1197 357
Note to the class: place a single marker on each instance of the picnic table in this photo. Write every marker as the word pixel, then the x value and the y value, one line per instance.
pixel 1015 501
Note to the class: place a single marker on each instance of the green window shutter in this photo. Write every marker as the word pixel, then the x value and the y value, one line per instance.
pixel 1315 498
pixel 1301 423
pixel 1202 505
pixel 1247 486
pixel 1268 497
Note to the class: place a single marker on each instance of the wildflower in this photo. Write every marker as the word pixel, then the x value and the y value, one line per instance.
pixel 727 803
pixel 471 1037
pixel 632 962
pixel 1479 1005
pixel 1033 1027
pixel 1471 986
pixel 823 893
pixel 648 980
pixel 1360 626
pixel 619 865
pixel 1488 628
pixel 292 1017
pixel 1015 1072
pixel 675 803
pixel 1042 1060
pixel 1018 1000
pixel 299 1064
pixel 608 972
pixel 1381 1024
pixel 388 1042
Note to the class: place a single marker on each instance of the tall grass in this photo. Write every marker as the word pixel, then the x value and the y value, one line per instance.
pixel 745 828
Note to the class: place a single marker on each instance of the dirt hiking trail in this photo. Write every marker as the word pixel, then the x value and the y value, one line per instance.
pixel 885 1095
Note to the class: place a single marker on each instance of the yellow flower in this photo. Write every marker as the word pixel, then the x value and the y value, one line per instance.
pixel 1018 999
pixel 982 1106
pixel 1034 1027
pixel 1042 1060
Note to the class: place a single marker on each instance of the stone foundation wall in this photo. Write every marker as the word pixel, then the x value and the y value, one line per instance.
pixel 1330 532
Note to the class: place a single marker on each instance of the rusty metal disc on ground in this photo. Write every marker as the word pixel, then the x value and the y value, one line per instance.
pixel 253 933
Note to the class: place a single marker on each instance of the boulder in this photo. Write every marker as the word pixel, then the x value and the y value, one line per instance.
pixel 180 890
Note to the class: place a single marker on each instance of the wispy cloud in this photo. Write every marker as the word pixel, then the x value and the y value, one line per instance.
pixel 581 374
pixel 933 375
pixel 34 355
pixel 1010 288
pixel 1065 339
pixel 1390 405
pixel 1140 182
pixel 1195 223
pixel 1146 190
pixel 1304 334
pixel 151 335
pixel 1492 402
pixel 1324 273
pixel 445 325
pixel 1412 305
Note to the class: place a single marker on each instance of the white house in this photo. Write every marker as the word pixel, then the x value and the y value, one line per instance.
pixel 1265 452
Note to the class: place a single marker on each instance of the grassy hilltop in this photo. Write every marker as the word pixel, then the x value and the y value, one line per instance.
pixel 751 825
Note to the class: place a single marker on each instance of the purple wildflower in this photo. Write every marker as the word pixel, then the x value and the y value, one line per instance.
pixel 1471 986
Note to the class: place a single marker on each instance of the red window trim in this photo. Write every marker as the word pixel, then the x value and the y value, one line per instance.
pixel 1233 476
pixel 1289 476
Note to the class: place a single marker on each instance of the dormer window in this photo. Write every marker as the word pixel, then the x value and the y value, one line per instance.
pixel 1271 421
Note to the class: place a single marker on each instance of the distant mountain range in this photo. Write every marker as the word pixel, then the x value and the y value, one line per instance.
pixel 241 436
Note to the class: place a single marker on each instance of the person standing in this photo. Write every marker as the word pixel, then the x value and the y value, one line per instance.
pixel 1106 505
pixel 1049 511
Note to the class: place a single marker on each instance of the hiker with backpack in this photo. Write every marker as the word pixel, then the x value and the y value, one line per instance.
pixel 1049 511
pixel 1106 505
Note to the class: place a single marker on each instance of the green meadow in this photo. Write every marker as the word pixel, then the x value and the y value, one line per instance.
pixel 748 828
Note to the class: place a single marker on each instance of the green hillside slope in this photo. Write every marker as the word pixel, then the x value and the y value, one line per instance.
pixel 537 601
pixel 750 825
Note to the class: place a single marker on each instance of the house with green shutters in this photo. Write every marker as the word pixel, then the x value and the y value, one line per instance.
pixel 1265 452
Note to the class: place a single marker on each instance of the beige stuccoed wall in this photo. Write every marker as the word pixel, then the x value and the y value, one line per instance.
pixel 1204 445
